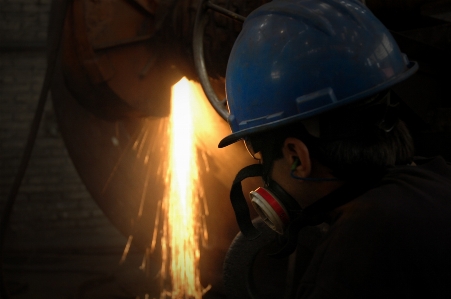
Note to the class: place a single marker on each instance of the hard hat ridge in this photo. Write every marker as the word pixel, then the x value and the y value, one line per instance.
pixel 287 8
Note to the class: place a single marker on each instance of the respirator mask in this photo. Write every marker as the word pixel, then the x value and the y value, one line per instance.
pixel 271 202
pixel 278 209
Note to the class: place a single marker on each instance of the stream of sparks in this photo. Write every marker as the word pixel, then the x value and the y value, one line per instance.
pixel 182 228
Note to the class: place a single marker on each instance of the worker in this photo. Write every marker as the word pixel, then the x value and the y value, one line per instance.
pixel 309 88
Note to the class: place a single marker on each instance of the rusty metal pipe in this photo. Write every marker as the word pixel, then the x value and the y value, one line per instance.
pixel 198 49
pixel 224 11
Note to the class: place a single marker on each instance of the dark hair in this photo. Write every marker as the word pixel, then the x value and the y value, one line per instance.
pixel 354 141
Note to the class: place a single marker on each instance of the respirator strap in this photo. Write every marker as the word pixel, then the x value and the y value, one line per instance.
pixel 289 202
pixel 239 203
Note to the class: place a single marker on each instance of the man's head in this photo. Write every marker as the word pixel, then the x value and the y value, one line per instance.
pixel 353 143
pixel 307 85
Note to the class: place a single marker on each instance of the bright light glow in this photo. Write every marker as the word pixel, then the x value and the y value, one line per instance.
pixel 183 226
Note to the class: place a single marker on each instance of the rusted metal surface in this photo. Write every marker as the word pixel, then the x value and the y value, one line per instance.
pixel 115 174
pixel 122 56
pixel 113 61
pixel 104 70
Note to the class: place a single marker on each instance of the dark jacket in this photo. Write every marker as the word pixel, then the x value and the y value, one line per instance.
pixel 394 241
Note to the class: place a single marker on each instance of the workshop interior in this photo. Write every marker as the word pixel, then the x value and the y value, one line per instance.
pixel 137 88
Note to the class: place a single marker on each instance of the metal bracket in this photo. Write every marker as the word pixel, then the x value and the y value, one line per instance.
pixel 198 49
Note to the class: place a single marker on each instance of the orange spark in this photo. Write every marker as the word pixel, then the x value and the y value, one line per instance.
pixel 183 227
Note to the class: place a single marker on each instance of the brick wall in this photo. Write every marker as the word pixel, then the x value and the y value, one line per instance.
pixel 23 21
pixel 53 207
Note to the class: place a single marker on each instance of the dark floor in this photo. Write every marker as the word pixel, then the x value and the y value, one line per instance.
pixel 80 265
pixel 71 266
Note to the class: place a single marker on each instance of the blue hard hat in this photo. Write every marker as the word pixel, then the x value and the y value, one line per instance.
pixel 295 59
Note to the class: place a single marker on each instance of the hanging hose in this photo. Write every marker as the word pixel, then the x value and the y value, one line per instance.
pixel 58 11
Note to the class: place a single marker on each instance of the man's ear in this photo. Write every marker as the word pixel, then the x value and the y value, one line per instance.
pixel 296 153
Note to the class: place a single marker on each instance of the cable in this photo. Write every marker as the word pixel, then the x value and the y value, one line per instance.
pixel 58 10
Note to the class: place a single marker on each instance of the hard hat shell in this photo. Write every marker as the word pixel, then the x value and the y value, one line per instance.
pixel 295 59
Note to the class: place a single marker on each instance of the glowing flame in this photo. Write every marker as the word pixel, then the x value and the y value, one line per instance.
pixel 183 228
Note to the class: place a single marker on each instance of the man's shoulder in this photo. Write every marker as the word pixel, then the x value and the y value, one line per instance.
pixel 424 185
pixel 422 170
pixel 393 239
pixel 409 205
